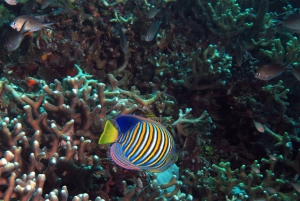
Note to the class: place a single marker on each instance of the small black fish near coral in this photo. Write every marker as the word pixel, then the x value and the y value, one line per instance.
pixel 151 33
pixel 123 40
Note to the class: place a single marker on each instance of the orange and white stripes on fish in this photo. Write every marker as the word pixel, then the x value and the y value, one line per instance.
pixel 146 145
pixel 139 143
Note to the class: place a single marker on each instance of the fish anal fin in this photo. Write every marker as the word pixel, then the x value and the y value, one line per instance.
pixel 170 160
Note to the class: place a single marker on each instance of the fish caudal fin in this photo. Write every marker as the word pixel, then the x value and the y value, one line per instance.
pixel 296 73
pixel 48 25
pixel 109 135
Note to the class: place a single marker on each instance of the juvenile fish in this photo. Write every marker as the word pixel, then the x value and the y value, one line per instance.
pixel 270 71
pixel 33 24
pixel 239 52
pixel 259 126
pixel 123 40
pixel 11 2
pixel 151 33
pixel 239 55
pixel 31 82
pixel 255 169
pixel 273 157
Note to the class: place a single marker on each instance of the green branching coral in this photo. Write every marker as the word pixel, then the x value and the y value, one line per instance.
pixel 186 123
pixel 161 63
pixel 237 184
pixel 275 94
pixel 225 17
pixel 209 69
pixel 284 142
pixel 280 53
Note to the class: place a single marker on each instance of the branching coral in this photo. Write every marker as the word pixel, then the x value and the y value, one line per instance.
pixel 282 54
pixel 285 143
pixel 146 103
pixel 226 15
pixel 161 64
pixel 49 131
pixel 69 116
pixel 225 18
pixel 252 185
pixel 207 67
pixel 154 191
pixel 186 123
pixel 275 96
pixel 23 186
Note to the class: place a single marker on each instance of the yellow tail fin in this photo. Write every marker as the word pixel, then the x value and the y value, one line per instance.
pixel 109 135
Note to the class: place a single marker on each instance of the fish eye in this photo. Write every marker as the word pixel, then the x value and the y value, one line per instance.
pixel 257 74
pixel 13 23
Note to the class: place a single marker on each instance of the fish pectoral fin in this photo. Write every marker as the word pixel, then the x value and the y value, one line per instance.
pixel 23 31
pixel 109 134
pixel 26 33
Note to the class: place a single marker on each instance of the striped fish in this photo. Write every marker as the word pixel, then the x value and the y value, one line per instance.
pixel 139 144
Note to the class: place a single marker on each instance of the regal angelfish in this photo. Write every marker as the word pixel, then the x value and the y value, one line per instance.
pixel 139 144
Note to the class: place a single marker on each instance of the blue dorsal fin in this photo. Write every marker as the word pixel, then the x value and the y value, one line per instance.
pixel 125 122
